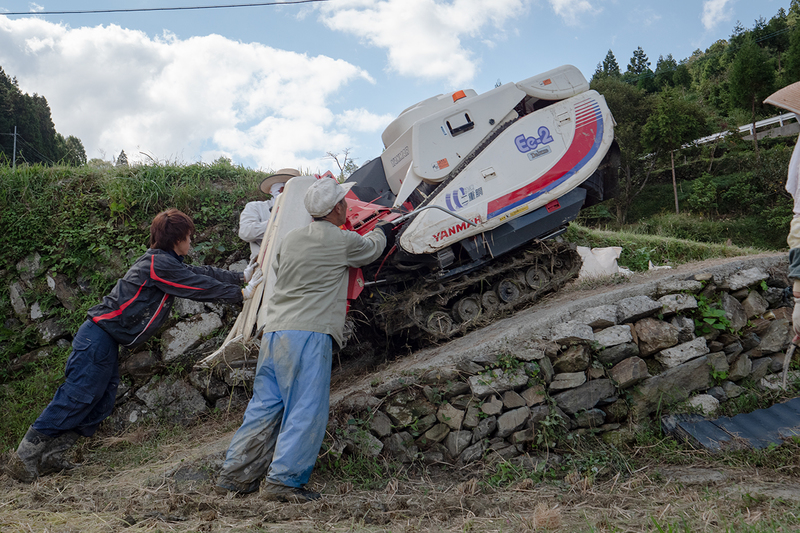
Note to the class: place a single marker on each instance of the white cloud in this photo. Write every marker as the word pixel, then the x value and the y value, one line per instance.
pixel 714 12
pixel 363 120
pixel 424 38
pixel 570 10
pixel 201 97
pixel 36 7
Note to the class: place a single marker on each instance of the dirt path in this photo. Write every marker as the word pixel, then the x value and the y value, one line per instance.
pixel 171 490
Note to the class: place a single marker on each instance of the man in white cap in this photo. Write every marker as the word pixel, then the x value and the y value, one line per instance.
pixel 285 421
pixel 255 216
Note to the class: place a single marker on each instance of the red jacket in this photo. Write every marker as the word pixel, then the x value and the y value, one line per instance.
pixel 141 301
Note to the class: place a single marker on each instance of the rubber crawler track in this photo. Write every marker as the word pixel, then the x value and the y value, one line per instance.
pixel 426 308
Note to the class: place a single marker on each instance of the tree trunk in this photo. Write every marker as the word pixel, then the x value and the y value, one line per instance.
pixel 674 182
pixel 622 199
pixel 622 209
pixel 713 149
pixel 755 135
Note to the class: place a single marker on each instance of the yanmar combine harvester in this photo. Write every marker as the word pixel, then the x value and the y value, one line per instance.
pixel 478 185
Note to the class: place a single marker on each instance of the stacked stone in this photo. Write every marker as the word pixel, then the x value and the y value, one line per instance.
pixel 144 393
pixel 457 415
pixel 607 365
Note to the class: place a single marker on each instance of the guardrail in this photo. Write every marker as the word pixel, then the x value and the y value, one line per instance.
pixel 747 128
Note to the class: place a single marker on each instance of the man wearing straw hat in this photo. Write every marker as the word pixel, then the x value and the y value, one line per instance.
pixel 255 216
pixel 285 421
pixel 789 98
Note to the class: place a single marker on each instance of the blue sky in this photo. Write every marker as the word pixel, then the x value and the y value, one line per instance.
pixel 277 86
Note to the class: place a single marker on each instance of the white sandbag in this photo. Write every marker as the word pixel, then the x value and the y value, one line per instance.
pixel 599 262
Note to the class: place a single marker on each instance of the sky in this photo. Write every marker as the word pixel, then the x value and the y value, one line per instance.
pixel 277 86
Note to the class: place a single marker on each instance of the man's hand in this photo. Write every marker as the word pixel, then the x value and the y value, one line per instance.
pixel 388 229
pixel 248 272
pixel 250 288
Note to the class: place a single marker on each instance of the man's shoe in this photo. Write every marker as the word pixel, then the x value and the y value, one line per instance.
pixel 224 489
pixel 53 459
pixel 283 493
pixel 24 463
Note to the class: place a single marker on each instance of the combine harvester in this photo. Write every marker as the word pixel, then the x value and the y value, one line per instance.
pixel 477 186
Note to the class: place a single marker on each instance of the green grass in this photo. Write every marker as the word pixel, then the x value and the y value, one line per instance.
pixel 363 472
pixel 24 398
pixel 638 249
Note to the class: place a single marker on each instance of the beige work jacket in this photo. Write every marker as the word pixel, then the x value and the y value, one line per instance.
pixel 311 269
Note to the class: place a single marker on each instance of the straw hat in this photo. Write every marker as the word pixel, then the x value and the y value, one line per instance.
pixel 787 98
pixel 281 176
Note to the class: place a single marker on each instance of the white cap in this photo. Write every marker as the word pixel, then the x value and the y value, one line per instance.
pixel 323 196
pixel 275 189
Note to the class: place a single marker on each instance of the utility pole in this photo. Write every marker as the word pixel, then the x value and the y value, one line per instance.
pixel 14 153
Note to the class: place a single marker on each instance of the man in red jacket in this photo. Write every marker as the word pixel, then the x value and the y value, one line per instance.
pixel 134 310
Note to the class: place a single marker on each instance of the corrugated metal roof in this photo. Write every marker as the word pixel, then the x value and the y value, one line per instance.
pixel 758 429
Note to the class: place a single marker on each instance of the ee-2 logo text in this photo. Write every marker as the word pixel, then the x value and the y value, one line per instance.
pixel 526 144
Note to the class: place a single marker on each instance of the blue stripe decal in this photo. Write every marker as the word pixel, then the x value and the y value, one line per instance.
pixel 582 163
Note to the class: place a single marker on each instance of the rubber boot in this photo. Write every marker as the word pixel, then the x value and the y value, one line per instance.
pixel 53 455
pixel 24 463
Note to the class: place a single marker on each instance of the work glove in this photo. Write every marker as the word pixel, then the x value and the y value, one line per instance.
pixel 250 288
pixel 796 312
pixel 388 229
pixel 248 272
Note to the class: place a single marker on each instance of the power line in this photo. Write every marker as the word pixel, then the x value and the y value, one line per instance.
pixel 144 10
pixel 34 150
pixel 729 47
pixel 18 136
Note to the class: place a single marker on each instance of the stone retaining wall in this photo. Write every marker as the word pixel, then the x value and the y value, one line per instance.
pixel 694 341
pixel 588 365
pixel 154 384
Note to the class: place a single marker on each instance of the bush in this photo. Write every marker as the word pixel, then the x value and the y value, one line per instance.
pixel 704 194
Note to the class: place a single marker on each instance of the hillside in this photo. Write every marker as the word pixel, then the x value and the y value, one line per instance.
pixel 159 478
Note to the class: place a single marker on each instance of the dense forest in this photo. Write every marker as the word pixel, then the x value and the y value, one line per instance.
pixel 663 109
pixel 37 140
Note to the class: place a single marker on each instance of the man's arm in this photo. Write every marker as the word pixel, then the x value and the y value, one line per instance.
pixel 364 250
pixel 177 279
pixel 219 274
pixel 253 221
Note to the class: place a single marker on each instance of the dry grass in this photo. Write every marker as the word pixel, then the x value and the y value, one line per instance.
pixel 158 480
pixel 173 492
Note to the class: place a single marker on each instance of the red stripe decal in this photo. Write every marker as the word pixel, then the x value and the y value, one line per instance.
pixel 171 283
pixel 582 143
pixel 119 311
pixel 160 306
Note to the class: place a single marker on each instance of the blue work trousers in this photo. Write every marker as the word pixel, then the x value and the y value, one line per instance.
pixel 285 421
pixel 87 396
